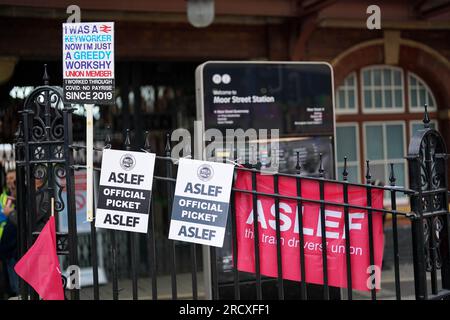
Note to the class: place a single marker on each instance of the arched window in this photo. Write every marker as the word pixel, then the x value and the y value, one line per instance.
pixel 391 109
pixel 346 96
pixel 419 94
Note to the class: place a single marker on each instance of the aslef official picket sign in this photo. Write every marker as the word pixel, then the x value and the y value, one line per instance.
pixel 125 190
pixel 200 206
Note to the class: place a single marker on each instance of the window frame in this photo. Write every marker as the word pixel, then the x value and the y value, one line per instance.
pixel 345 87
pixel 374 110
pixel 386 161
pixel 358 151
pixel 419 109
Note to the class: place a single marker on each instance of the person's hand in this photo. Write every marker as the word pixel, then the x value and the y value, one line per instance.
pixel 7 210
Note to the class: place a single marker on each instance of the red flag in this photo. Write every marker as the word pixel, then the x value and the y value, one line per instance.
pixel 39 267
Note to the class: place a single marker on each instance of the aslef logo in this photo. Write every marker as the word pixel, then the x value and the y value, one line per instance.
pixel 205 172
pixel 127 162
pixel 218 79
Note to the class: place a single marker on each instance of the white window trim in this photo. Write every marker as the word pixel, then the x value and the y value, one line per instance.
pixel 347 110
pixel 420 109
pixel 340 162
pixel 384 109
pixel 386 161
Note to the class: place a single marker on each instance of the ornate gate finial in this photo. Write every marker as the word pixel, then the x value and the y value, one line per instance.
pixel 345 172
pixel 147 145
pixel 45 77
pixel 368 175
pixel 426 118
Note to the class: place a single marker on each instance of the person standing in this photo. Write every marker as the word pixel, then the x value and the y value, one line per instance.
pixel 8 230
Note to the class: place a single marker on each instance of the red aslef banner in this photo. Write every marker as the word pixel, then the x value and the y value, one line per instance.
pixel 311 218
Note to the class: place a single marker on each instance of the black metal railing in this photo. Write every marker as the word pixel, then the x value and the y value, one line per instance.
pixel 45 157
pixel 392 189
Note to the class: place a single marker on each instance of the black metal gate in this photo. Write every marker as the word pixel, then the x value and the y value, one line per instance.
pixel 45 169
pixel 428 173
pixel 43 161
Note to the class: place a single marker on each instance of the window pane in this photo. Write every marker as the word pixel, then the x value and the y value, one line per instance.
pixel 351 99
pixel 430 100
pixel 399 172
pixel 341 99
pixel 377 77
pixel 367 81
pixel 378 101
pixel 387 77
pixel 388 99
pixel 419 93
pixel 394 140
pixel 374 142
pixel 414 98
pixel 398 99
pixel 367 99
pixel 416 127
pixel 346 143
pixel 422 100
pixel 397 78
pixel 377 172
pixel 352 173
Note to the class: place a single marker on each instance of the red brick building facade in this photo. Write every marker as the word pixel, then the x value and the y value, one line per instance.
pixel 382 76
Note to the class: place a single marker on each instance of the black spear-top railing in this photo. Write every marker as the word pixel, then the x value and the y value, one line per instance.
pixel 44 155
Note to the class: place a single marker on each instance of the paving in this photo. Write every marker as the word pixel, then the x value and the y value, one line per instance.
pixel 184 287
pixel 164 288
